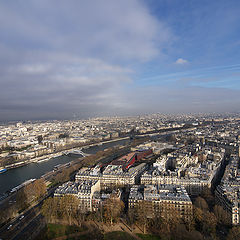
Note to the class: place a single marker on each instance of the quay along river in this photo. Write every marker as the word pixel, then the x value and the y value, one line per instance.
pixel 14 177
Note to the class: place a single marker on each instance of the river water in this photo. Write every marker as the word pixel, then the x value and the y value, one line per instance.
pixel 16 176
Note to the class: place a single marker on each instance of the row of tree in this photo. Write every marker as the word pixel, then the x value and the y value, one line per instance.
pixel 63 210
pixel 24 198
pixel 30 193
pixel 207 218
pixel 66 210
pixel 203 224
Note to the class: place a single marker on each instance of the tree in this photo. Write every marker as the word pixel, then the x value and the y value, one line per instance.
pixel 157 226
pixel 179 232
pixel 40 188
pixel 234 234
pixel 40 139
pixel 209 223
pixel 62 209
pixel 21 200
pixel 208 196
pixel 9 212
pixel 205 221
pixel 112 209
pixel 132 216
pixel 50 209
pixel 221 215
pixel 64 135
pixel 68 207
pixel 190 140
pixel 35 190
pixel 198 217
pixel 201 203
pixel 142 212
pixel 194 235
pixel 171 138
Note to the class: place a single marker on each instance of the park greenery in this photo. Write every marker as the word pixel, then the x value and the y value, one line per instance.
pixel 209 220
pixel 52 231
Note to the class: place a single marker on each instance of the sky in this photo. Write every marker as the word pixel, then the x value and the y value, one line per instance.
pixel 83 58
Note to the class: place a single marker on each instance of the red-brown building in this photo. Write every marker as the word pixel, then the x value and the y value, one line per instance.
pixel 129 159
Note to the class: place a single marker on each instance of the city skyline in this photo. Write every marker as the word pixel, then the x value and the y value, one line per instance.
pixel 90 58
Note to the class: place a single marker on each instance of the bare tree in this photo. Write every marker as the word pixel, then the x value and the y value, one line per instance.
pixel 201 203
pixel 112 209
pixel 234 234
pixel 143 213
pixel 221 215
pixel 35 190
pixel 50 209
pixel 132 217
pixel 68 206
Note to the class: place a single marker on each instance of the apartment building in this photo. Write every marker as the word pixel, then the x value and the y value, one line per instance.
pixel 83 190
pixel 167 201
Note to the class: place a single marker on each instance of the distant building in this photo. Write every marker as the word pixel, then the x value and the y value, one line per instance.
pixel 181 168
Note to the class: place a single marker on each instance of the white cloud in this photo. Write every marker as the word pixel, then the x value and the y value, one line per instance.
pixel 33 68
pixel 181 61
pixel 63 81
pixel 96 29
pixel 74 57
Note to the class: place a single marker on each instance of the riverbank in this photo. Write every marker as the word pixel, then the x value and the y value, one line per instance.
pixel 52 155
pixel 15 176
pixel 58 154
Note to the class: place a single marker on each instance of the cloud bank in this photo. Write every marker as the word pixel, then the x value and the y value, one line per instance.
pixel 86 58
pixel 59 58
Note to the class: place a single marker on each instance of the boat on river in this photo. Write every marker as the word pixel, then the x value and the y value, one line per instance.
pixel 3 170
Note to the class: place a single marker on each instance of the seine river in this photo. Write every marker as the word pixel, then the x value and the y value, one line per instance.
pixel 16 176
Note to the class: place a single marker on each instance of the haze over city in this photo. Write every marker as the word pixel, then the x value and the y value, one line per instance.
pixel 65 59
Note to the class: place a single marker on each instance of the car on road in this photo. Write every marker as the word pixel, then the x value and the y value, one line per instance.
pixel 9 226
pixel 21 217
